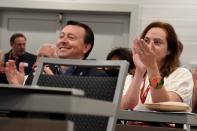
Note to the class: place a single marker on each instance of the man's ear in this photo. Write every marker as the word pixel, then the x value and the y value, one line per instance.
pixel 87 47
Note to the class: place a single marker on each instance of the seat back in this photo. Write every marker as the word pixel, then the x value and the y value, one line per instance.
pixel 103 87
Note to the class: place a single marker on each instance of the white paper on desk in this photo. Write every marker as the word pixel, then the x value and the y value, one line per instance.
pixel 142 107
pixel 169 106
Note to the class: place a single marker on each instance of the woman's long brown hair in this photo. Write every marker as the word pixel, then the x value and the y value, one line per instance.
pixel 171 61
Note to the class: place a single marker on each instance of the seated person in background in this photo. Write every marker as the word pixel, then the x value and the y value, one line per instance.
pixel 123 54
pixel 18 77
pixel 18 53
pixel 158 76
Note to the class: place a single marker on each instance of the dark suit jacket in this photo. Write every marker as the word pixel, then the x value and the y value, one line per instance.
pixel 3 78
pixel 79 71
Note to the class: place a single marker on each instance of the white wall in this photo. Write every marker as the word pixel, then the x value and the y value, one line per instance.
pixel 182 14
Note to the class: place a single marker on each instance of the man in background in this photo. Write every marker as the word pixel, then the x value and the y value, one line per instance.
pixel 18 77
pixel 18 53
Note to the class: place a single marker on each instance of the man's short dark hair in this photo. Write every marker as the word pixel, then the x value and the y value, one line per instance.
pixel 16 35
pixel 123 54
pixel 89 35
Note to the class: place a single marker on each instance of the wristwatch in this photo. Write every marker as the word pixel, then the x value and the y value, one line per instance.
pixel 156 82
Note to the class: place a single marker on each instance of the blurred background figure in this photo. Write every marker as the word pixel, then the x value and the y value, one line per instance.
pixel 121 53
pixel 18 77
pixel 19 54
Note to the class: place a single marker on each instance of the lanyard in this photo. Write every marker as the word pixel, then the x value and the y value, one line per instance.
pixel 143 94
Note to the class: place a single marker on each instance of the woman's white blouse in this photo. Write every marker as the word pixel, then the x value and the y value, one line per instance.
pixel 180 81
